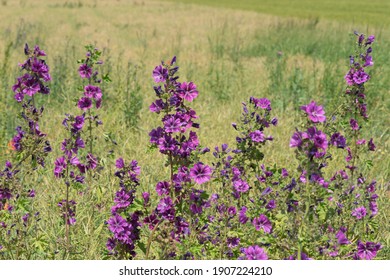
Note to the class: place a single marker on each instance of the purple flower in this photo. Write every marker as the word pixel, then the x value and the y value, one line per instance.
pixel 165 208
pixel 120 163
pixel 262 223
pixel 368 250
pixel 320 140
pixel 200 173
pixel 85 71
pixel 368 61
pixel 360 76
pixel 254 253
pixel 123 199
pixel 354 124
pixel 263 103
pixel 371 145
pixel 78 123
pixel 338 140
pixel 257 136
pixel 233 242
pixel 296 139
pixel 242 215
pixel 232 211
pixel 162 188
pixel 91 161
pixel 117 224
pixel 373 208
pixel 60 166
pixel 31 87
pixel 146 197
pixel 167 143
pixel 111 243
pixel 91 91
pixel 370 40
pixel 349 77
pixel 359 212
pixel 271 205
pixel 315 113
pixel 160 74
pixel 172 124
pixel 188 91
pixel 157 106
pixel 341 238
pixel 85 103
pixel 155 135
pixel 31 193
pixel 240 185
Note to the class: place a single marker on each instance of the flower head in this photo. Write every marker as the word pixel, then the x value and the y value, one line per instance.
pixel 200 173
pixel 254 253
pixel 263 223
pixel 359 212
pixel 315 113
pixel 368 250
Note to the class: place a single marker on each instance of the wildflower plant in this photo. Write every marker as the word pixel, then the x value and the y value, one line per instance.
pixel 75 163
pixel 17 220
pixel 125 223
pixel 343 206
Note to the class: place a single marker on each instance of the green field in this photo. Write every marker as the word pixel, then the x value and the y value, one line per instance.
pixel 291 52
pixel 375 13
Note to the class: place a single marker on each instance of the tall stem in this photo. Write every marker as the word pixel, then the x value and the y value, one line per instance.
pixel 90 132
pixel 150 239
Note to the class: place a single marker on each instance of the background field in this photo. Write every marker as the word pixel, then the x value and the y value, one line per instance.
pixel 290 52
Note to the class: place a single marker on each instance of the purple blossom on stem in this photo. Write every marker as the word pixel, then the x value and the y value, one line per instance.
pixel 354 124
pixel 188 91
pixel 257 136
pixel 254 253
pixel 85 71
pixel 315 113
pixel 359 212
pixel 263 223
pixel 200 173
pixel 160 74
pixel 368 250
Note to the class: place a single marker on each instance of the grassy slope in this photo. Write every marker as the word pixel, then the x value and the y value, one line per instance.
pixel 230 55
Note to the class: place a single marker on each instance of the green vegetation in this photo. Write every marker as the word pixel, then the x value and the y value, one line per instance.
pixel 374 13
pixel 230 55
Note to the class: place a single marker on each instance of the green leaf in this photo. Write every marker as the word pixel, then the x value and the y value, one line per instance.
pixel 142 246
pixel 106 78
pixel 322 210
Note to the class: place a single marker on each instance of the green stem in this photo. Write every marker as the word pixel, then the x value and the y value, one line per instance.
pixel 150 239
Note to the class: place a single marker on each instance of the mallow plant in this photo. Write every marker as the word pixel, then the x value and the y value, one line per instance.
pixel 174 217
pixel 29 149
pixel 78 162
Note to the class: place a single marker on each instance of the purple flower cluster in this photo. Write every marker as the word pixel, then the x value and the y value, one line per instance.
pixel 37 75
pixel 312 142
pixel 68 211
pixel 124 224
pixel 29 139
pixel 171 138
pixel 254 253
pixel 71 167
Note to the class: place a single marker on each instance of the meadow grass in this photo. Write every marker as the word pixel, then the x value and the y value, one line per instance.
pixel 230 55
